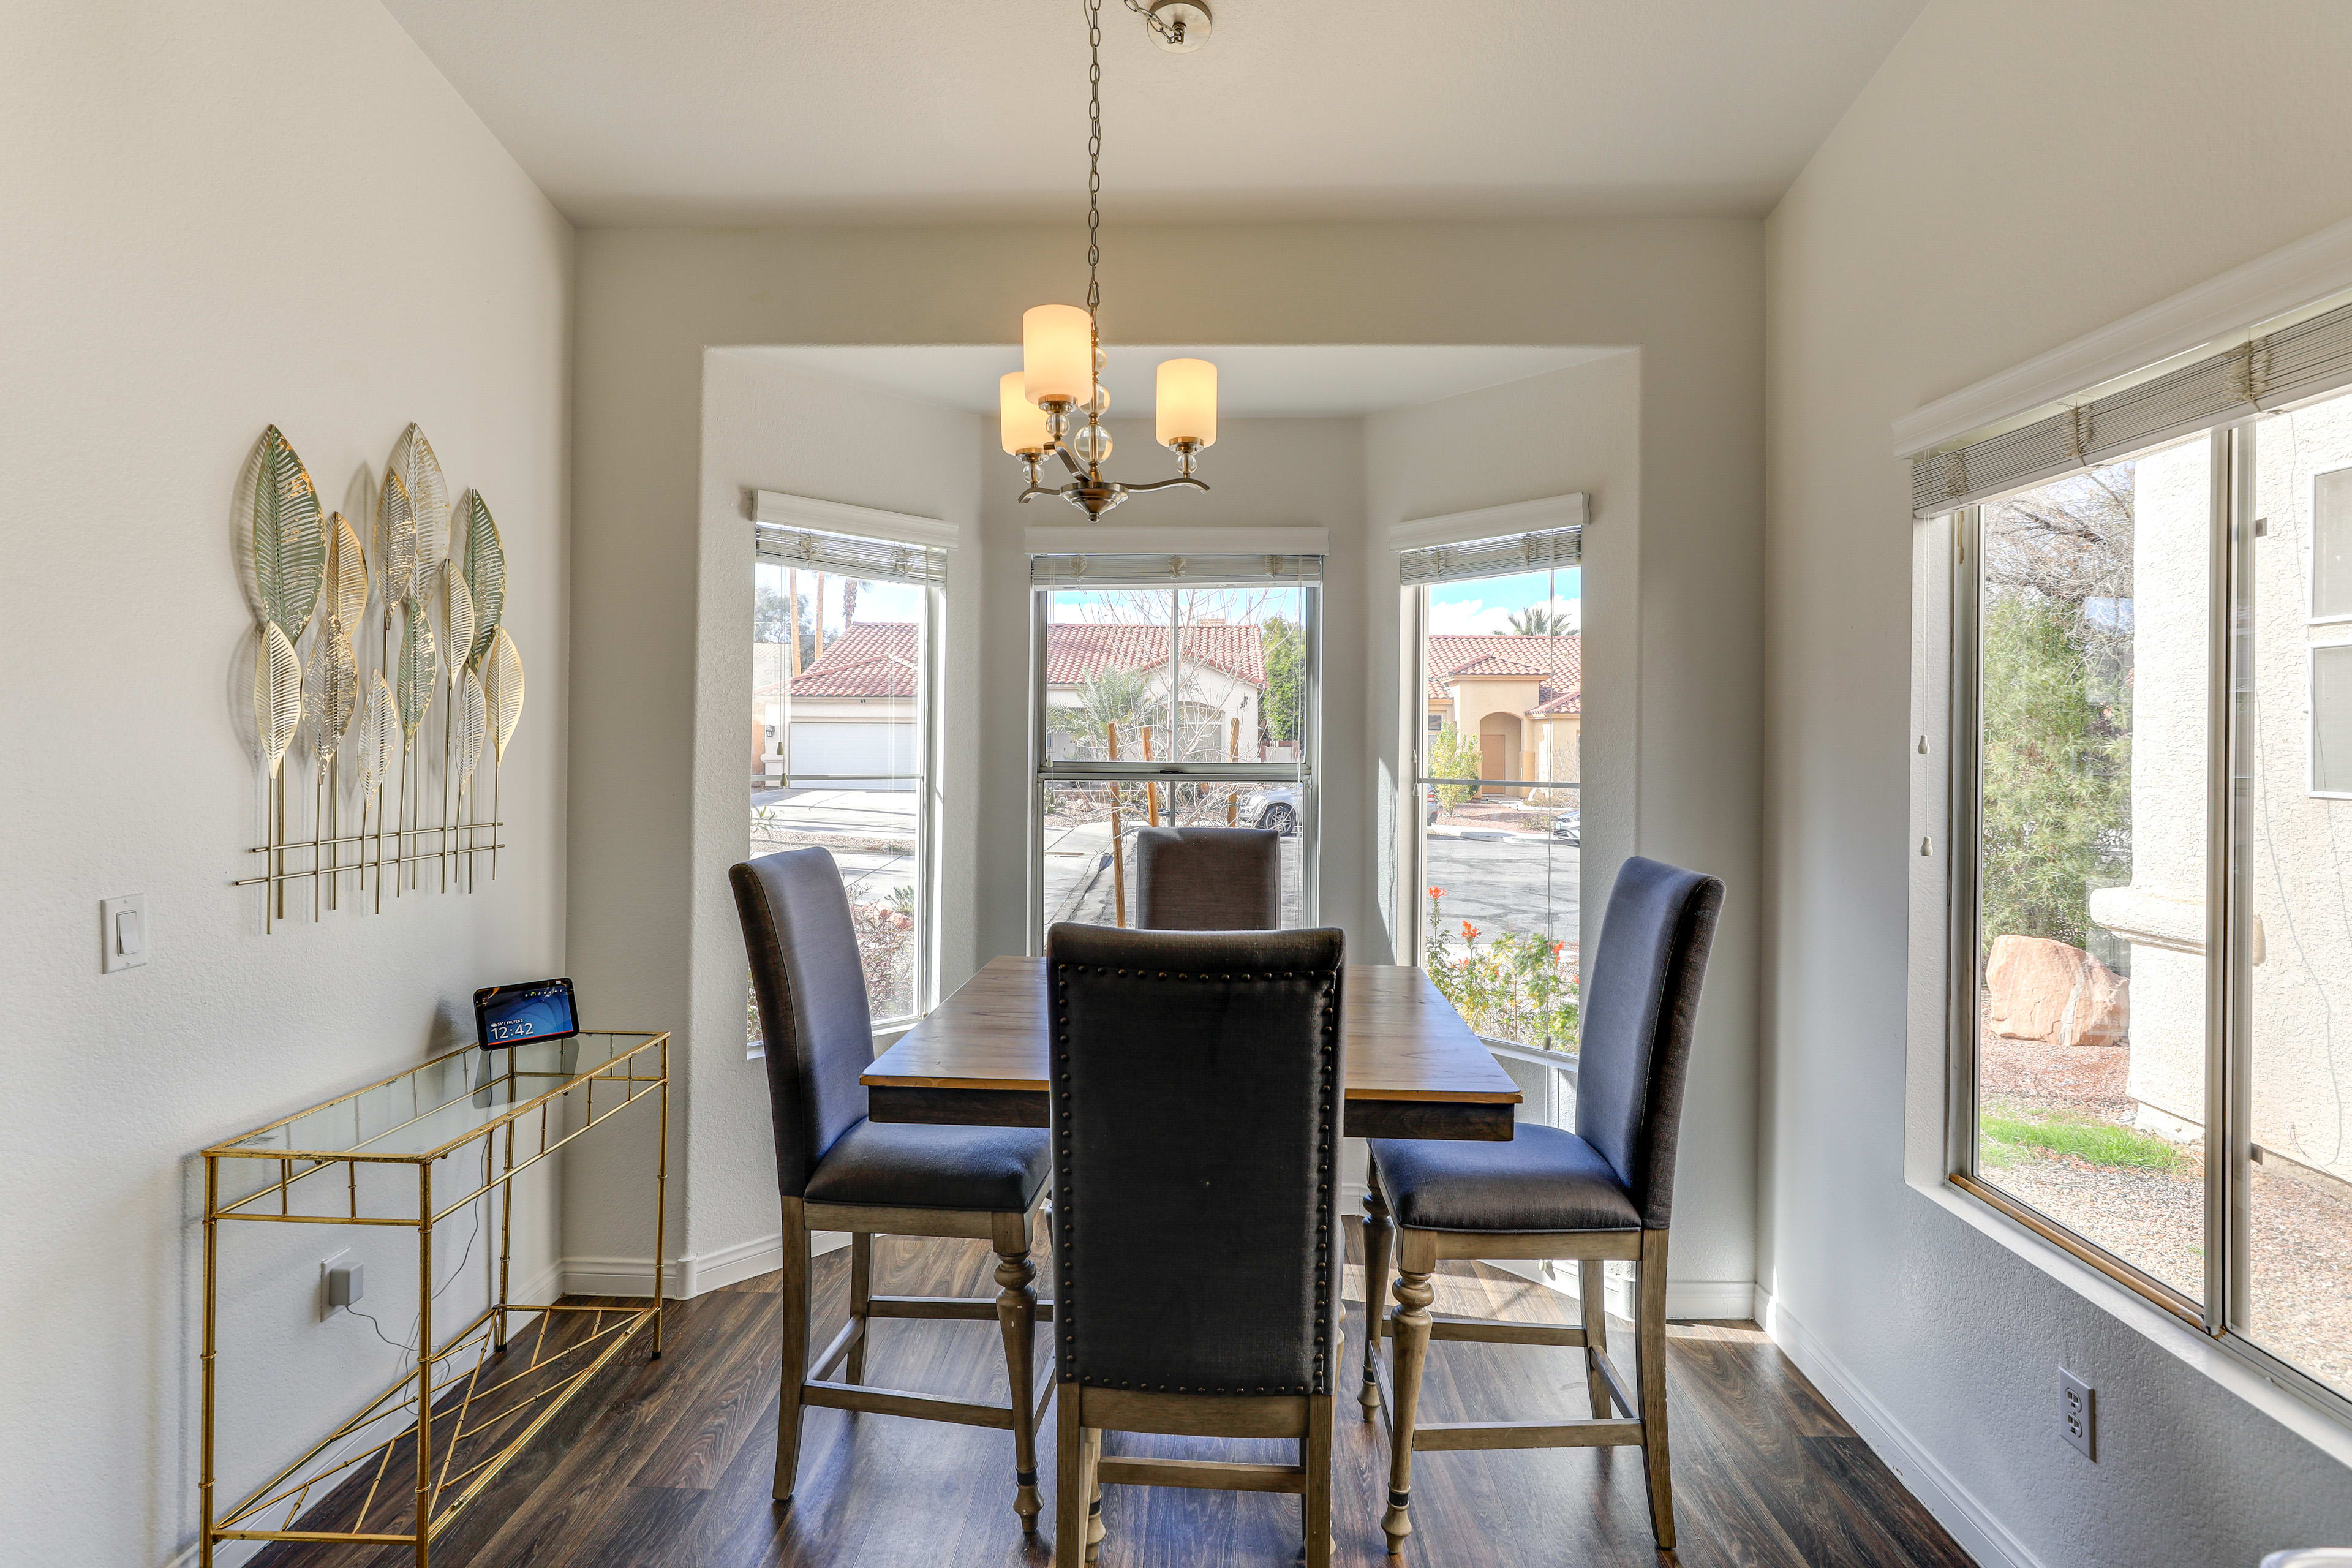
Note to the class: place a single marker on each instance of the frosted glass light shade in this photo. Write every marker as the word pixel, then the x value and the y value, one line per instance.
pixel 1057 353
pixel 1188 402
pixel 1021 422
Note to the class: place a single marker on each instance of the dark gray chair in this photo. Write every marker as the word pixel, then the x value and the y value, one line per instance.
pixel 837 1171
pixel 1604 1191
pixel 1195 1111
pixel 1208 878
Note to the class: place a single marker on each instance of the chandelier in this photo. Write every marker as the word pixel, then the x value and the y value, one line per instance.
pixel 1053 406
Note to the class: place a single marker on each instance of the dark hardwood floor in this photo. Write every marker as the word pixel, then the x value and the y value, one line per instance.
pixel 666 1464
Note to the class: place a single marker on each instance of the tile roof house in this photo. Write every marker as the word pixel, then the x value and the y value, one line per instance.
pixel 1522 696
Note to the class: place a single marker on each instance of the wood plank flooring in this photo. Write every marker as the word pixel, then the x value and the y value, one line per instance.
pixel 666 1464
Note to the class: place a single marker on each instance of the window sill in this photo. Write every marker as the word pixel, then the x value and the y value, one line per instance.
pixel 2224 1361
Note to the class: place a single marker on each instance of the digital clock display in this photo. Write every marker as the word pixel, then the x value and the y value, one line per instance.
pixel 536 1010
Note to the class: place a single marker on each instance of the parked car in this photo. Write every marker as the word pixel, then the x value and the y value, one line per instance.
pixel 1270 805
pixel 1568 826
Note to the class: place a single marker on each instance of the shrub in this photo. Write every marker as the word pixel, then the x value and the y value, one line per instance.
pixel 1519 985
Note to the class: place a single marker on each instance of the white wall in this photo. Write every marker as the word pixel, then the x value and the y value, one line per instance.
pixel 2016 175
pixel 1687 292
pixel 222 216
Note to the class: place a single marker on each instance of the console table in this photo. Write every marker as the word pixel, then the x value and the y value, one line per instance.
pixel 451 1131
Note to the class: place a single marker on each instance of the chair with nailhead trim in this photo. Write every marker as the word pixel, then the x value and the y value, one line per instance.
pixel 1195 1111
pixel 1601 1192
pixel 837 1171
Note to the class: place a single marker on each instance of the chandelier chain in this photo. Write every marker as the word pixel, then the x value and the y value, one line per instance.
pixel 1093 162
pixel 1152 20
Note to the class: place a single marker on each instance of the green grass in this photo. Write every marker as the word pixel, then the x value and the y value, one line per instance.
pixel 2006 1140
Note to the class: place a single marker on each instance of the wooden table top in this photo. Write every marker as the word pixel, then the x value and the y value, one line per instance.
pixel 1404 1041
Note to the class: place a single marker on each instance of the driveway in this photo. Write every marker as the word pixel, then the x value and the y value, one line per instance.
pixel 870 832
pixel 1505 884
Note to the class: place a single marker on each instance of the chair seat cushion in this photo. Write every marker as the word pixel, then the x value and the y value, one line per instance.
pixel 1543 1179
pixel 900 1164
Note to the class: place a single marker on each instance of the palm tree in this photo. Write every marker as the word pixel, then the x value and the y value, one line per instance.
pixel 1540 620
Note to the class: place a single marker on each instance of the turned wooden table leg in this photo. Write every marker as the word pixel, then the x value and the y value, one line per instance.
pixel 1016 1314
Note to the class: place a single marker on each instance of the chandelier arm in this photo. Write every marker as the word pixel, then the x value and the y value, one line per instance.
pixel 1168 484
pixel 1070 461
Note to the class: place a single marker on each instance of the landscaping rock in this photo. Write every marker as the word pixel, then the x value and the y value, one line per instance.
pixel 2036 989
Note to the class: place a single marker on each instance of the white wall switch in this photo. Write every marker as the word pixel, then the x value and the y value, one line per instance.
pixel 122 926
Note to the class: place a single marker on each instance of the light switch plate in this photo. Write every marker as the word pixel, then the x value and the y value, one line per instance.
pixel 125 938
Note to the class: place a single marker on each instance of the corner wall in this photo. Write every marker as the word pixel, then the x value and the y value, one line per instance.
pixel 2015 176
pixel 222 216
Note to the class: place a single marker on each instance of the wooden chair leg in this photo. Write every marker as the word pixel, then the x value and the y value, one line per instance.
pixel 1092 1442
pixel 1071 1480
pixel 1416 1260
pixel 1592 1286
pixel 1016 1315
pixel 1322 1413
pixel 1376 1284
pixel 861 1299
pixel 792 1293
pixel 1651 1342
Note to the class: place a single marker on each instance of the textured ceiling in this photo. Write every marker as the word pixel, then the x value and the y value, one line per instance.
pixel 738 111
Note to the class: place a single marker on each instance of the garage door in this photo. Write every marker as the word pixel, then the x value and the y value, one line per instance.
pixel 839 748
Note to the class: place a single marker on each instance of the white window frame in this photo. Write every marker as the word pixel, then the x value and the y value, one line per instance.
pixel 1045 769
pixel 2311 593
pixel 2311 719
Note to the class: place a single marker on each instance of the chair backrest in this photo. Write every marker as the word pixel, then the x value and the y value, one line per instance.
pixel 1641 997
pixel 1197 1088
pixel 1208 878
pixel 812 990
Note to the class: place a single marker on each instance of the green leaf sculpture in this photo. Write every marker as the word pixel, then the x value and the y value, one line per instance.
pixel 428 499
pixel 503 688
pixel 378 739
pixel 484 562
pixel 418 672
pixel 286 547
pixel 347 584
pixel 276 695
pixel 334 695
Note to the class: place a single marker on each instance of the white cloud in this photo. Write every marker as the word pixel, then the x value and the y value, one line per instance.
pixel 1472 617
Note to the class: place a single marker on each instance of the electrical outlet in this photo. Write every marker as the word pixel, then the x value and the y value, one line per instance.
pixel 2079 1410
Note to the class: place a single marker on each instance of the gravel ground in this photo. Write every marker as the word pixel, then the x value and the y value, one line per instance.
pixel 2301 1246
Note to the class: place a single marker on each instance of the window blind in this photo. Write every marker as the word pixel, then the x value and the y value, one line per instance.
pixel 2288 366
pixel 1493 557
pixel 1167 571
pixel 878 559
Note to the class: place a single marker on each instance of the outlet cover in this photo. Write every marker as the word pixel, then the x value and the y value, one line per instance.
pixel 2079 1410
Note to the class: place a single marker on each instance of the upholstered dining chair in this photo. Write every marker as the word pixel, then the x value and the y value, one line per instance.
pixel 1196 1235
pixel 1208 878
pixel 837 1171
pixel 1604 1191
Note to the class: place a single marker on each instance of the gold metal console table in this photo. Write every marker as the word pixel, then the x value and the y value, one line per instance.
pixel 401 1468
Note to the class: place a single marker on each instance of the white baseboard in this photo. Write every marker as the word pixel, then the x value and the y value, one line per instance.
pixel 1956 1508
pixel 693 1275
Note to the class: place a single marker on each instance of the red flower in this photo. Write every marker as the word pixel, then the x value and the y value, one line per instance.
pixel 1469 932
pixel 1436 892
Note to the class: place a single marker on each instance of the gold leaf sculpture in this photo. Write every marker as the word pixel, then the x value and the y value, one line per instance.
pixel 396 544
pixel 418 672
pixel 347 584
pixel 334 695
pixel 484 562
pixel 503 688
pixel 378 739
pixel 284 543
pixel 428 499
pixel 457 619
pixel 277 694
pixel 473 725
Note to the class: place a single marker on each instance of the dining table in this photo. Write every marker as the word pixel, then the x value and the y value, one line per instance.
pixel 1414 1068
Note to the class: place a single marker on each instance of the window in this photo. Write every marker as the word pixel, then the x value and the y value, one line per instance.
pixel 2152 1023
pixel 844 694
pixel 1169 691
pixel 1497 657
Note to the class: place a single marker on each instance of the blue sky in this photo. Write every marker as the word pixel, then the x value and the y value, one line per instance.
pixel 1483 605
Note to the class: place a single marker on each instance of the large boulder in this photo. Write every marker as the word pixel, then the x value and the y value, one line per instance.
pixel 2057 1022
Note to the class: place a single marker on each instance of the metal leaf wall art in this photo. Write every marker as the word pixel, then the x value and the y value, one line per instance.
pixel 319 679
